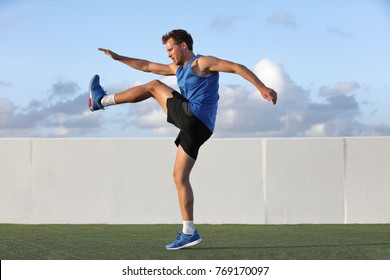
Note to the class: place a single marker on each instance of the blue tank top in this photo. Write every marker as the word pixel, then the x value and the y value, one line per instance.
pixel 201 93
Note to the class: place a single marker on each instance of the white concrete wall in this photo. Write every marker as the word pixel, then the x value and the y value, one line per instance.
pixel 251 181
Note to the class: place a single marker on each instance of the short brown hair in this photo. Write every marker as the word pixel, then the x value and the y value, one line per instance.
pixel 179 35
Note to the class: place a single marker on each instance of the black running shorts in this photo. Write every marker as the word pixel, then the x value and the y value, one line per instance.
pixel 193 132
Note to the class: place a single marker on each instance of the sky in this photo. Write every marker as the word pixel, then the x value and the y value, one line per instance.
pixel 328 61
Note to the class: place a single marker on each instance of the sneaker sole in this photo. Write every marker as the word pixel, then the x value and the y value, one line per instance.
pixel 90 97
pixel 193 243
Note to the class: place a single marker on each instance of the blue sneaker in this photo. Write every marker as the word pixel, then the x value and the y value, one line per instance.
pixel 183 241
pixel 96 93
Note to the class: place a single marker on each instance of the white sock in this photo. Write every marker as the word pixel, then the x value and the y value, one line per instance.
pixel 108 100
pixel 188 227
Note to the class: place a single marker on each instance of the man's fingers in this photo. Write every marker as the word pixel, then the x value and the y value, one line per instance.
pixel 273 97
pixel 106 51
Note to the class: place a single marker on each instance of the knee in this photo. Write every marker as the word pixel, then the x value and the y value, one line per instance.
pixel 180 179
pixel 154 85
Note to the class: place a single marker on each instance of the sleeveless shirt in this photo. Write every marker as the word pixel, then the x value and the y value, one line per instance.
pixel 200 92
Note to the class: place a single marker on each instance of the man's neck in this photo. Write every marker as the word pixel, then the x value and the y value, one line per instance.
pixel 188 56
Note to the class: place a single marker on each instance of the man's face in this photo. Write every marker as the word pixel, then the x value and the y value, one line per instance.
pixel 175 52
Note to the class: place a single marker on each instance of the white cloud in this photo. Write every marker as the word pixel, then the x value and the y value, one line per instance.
pixel 317 130
pixel 50 116
pixel 5 83
pixel 271 73
pixel 64 88
pixel 282 18
pixel 156 117
pixel 61 132
pixel 339 88
pixel 223 22
pixel 9 22
pixel 228 117
pixel 337 31
pixel 246 114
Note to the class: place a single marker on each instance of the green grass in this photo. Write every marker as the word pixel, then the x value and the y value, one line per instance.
pixel 271 242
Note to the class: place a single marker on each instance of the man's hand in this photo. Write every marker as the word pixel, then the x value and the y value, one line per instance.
pixel 269 94
pixel 109 53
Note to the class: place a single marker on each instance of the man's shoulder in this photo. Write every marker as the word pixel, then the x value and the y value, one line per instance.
pixel 207 58
pixel 205 63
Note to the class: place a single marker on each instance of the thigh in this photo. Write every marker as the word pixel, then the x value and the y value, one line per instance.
pixel 176 114
pixel 161 92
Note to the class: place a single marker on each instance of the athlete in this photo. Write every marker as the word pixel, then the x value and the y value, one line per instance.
pixel 193 110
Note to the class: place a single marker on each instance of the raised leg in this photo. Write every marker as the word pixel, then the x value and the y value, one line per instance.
pixel 160 91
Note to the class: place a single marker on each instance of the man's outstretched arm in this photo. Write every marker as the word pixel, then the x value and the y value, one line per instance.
pixel 142 64
pixel 213 64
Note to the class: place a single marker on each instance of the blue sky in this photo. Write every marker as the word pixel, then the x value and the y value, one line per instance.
pixel 328 60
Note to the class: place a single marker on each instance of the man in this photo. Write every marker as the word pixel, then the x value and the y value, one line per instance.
pixel 193 110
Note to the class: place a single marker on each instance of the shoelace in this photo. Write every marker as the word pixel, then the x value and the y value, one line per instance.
pixel 179 234
pixel 102 89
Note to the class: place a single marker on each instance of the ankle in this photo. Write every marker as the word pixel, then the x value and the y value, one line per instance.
pixel 188 227
pixel 108 100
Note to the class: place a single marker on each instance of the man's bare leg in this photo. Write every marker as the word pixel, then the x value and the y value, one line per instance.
pixel 181 174
pixel 189 235
pixel 160 91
